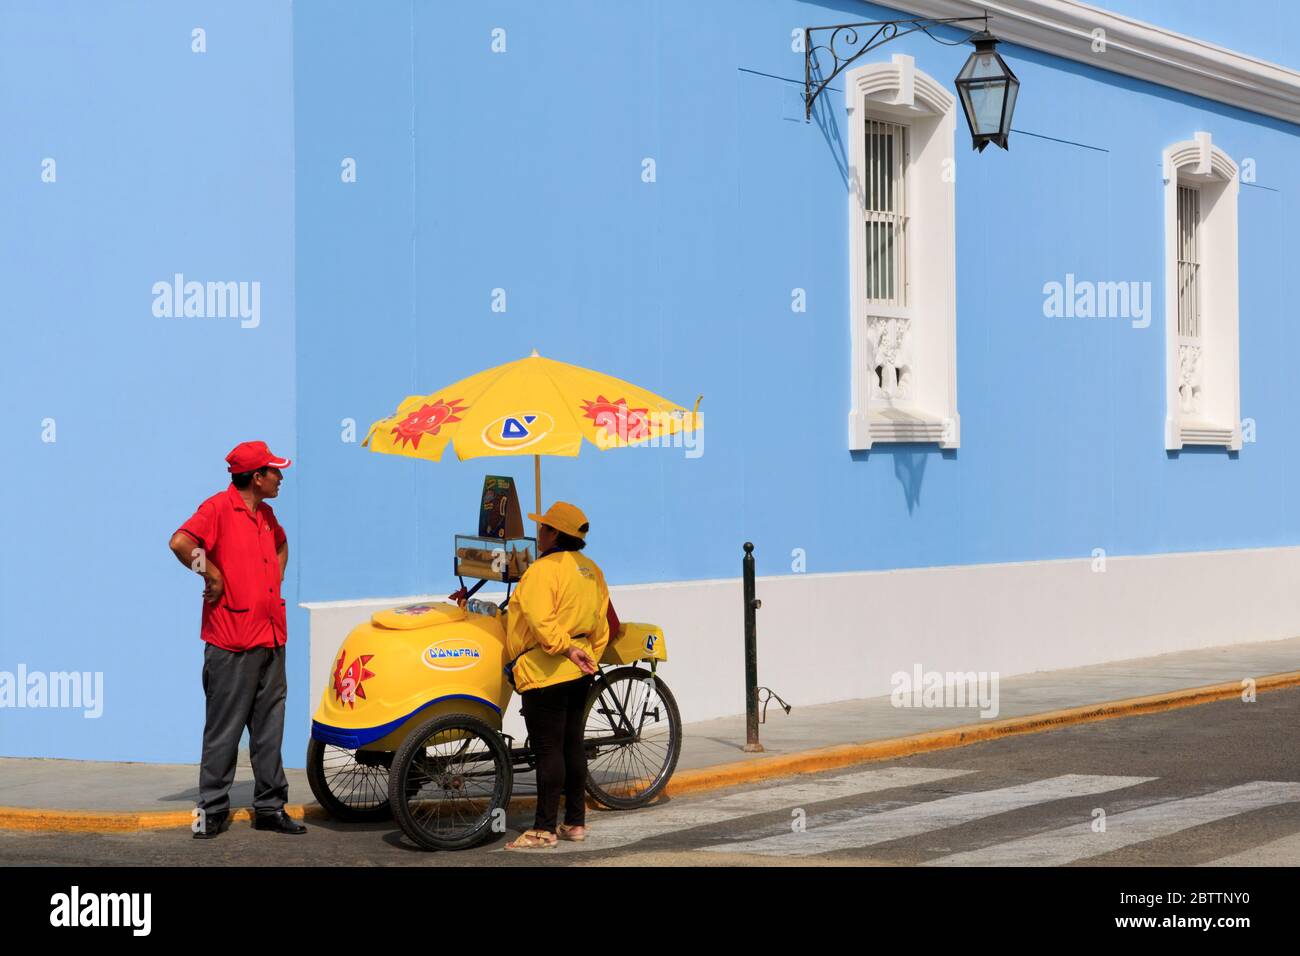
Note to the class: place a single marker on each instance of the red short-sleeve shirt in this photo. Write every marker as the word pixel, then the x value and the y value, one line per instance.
pixel 243 546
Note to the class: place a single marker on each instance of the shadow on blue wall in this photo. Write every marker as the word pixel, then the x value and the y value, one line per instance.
pixel 910 459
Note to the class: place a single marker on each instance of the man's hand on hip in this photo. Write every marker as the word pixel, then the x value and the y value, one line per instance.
pixel 213 585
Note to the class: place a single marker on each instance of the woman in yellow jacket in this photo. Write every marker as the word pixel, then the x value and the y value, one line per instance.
pixel 556 631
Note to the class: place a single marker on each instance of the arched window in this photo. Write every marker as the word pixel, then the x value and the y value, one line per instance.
pixel 1203 381
pixel 902 242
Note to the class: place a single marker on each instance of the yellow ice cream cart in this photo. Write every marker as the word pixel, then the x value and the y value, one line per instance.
pixel 410 723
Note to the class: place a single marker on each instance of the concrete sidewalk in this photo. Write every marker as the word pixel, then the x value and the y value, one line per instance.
pixel 808 739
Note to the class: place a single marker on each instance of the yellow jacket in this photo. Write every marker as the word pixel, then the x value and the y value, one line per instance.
pixel 560 595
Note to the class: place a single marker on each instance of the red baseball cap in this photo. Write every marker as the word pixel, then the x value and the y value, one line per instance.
pixel 252 455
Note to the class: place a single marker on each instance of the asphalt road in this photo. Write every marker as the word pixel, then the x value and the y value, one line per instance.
pixel 1217 783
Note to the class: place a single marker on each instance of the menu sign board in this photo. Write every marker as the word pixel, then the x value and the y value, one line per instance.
pixel 499 516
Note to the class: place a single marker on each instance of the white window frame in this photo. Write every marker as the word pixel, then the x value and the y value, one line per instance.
pixel 1202 370
pixel 918 334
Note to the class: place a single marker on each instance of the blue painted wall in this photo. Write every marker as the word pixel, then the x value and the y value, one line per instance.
pixel 522 171
pixel 167 161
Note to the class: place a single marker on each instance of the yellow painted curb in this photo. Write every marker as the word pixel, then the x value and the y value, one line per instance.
pixel 104 821
pixel 843 755
pixel 720 775
pixel 107 821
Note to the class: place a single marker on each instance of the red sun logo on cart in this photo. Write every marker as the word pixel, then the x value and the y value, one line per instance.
pixel 427 420
pixel 349 682
pixel 629 424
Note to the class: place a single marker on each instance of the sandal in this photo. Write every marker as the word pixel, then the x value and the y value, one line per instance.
pixel 566 832
pixel 533 840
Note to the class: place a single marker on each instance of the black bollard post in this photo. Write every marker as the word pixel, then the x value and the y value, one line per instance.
pixel 752 604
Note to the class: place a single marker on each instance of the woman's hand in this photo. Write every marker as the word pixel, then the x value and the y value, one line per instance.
pixel 581 658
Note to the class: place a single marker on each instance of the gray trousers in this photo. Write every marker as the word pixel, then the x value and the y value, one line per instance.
pixel 243 689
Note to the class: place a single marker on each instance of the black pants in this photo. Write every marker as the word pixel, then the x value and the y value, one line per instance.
pixel 554 717
pixel 244 689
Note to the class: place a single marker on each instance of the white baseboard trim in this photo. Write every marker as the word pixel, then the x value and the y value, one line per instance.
pixel 842 635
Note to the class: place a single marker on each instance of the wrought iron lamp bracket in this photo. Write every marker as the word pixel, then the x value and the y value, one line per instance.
pixel 885 30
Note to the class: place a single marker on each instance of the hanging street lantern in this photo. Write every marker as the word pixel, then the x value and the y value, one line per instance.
pixel 988 91
pixel 986 84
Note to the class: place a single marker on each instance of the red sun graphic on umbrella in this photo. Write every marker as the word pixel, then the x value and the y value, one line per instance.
pixel 349 682
pixel 629 424
pixel 427 420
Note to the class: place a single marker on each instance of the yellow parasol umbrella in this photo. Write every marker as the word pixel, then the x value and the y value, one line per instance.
pixel 534 406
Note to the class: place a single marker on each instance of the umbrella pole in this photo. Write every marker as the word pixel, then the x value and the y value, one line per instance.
pixel 537 483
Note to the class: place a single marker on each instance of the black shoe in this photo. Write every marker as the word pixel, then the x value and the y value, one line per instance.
pixel 280 822
pixel 214 824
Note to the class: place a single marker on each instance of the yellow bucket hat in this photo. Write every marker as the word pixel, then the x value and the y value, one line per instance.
pixel 565 517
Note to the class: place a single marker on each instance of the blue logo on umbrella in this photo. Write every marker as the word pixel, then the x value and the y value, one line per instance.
pixel 514 428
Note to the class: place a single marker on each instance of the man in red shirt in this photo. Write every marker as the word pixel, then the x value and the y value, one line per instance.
pixel 234 542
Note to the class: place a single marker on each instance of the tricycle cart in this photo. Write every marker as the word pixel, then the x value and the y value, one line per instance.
pixel 411 723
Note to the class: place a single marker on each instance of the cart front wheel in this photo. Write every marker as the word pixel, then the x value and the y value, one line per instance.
pixel 351 785
pixel 633 735
pixel 451 782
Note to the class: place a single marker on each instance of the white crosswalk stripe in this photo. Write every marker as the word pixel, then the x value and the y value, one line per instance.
pixel 1078 841
pixel 868 829
pixel 615 829
pixel 1283 852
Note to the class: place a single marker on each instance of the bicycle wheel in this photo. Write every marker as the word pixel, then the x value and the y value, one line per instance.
pixel 451 782
pixel 351 785
pixel 633 734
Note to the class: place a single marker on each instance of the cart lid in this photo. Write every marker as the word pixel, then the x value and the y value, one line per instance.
pixel 410 616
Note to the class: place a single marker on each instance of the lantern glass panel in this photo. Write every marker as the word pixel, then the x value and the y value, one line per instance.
pixel 983 83
pixel 1013 88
